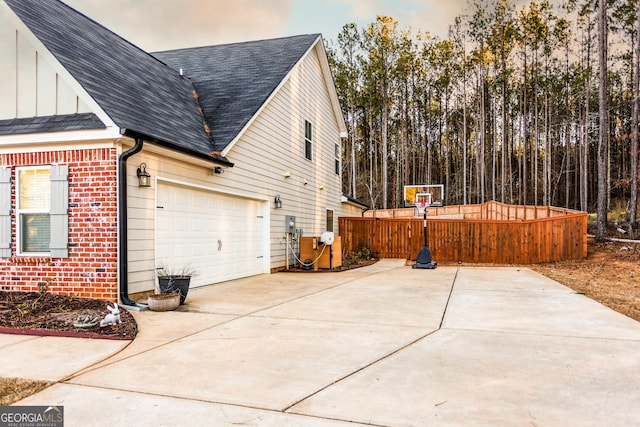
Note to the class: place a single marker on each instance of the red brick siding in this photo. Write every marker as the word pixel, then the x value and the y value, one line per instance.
pixel 91 268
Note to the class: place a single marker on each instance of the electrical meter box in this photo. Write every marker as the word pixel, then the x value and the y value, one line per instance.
pixel 290 224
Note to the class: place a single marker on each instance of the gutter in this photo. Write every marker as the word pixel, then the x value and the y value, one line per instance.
pixel 123 230
pixel 123 248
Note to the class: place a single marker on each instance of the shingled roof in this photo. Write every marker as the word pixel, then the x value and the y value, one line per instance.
pixel 223 86
pixel 234 80
pixel 137 91
pixel 65 122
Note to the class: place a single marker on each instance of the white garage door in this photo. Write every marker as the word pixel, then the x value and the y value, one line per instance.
pixel 219 235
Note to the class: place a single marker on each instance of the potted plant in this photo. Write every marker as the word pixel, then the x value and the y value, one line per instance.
pixel 175 280
pixel 163 301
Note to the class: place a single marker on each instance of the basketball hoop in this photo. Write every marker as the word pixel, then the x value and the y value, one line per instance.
pixel 422 206
pixel 422 201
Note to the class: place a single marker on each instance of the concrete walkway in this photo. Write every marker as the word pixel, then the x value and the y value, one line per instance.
pixel 384 345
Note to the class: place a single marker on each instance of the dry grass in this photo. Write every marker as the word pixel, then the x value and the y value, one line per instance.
pixel 15 389
pixel 610 275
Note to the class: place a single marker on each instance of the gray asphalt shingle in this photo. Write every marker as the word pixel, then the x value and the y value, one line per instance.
pixel 234 80
pixel 145 93
pixel 50 124
pixel 136 90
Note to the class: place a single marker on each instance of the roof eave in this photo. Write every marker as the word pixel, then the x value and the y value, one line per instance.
pixel 215 158
pixel 333 92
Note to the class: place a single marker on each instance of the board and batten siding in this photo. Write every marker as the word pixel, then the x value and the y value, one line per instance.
pixel 272 145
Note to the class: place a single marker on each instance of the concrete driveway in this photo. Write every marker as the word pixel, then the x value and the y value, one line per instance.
pixel 384 345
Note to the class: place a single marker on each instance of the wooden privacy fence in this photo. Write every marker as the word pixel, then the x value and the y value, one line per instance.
pixel 487 233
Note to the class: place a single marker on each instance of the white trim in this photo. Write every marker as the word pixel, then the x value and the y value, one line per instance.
pixel 58 68
pixel 150 147
pixel 331 86
pixel 311 140
pixel 266 214
pixel 55 137
pixel 324 63
pixel 243 194
pixel 345 200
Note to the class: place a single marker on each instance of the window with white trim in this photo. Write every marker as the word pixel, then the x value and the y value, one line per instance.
pixel 337 159
pixel 308 140
pixel 33 201
pixel 41 211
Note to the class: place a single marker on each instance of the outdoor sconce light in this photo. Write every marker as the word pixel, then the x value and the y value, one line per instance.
pixel 277 201
pixel 144 179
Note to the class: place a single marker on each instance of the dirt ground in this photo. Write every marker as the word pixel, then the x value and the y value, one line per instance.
pixel 610 274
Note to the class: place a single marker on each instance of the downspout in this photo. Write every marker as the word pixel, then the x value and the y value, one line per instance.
pixel 123 250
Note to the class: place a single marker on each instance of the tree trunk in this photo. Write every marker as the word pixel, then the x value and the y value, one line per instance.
pixel 603 140
pixel 584 170
pixel 505 137
pixel 635 129
pixel 464 133
pixel 384 154
pixel 353 154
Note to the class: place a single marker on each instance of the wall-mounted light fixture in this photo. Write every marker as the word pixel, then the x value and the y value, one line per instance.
pixel 218 170
pixel 144 179
pixel 277 201
pixel 286 174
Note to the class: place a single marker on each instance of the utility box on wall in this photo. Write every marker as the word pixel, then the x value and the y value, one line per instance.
pixel 290 224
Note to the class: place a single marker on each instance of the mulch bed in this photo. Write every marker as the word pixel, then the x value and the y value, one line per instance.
pixel 35 313
pixel 346 265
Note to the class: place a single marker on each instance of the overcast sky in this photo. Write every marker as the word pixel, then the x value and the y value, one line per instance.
pixel 167 24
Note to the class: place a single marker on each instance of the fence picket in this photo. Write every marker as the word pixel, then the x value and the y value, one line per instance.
pixel 514 235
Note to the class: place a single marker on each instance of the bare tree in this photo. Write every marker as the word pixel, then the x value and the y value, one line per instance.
pixel 634 126
pixel 603 139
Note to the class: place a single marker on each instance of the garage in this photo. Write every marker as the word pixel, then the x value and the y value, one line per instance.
pixel 219 235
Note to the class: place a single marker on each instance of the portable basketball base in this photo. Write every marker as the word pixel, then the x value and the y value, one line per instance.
pixel 424 260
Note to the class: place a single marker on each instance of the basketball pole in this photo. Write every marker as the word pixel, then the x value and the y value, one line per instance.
pixel 423 260
pixel 425 227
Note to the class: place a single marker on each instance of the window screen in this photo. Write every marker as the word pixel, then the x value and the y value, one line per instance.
pixel 33 203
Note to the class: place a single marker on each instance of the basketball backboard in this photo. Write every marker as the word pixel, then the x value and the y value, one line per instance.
pixel 435 190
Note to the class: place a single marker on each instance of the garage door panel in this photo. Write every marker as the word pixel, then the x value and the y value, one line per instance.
pixel 221 236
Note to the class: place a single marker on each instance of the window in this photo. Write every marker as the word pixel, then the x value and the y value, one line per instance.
pixel 41 211
pixel 33 201
pixel 337 159
pixel 308 140
pixel 329 220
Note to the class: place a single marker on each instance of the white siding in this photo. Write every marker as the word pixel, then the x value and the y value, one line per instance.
pixel 349 209
pixel 274 144
pixel 271 146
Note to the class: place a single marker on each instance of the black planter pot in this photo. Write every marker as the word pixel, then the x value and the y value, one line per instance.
pixel 175 284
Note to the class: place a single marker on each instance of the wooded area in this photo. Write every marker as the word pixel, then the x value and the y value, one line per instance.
pixel 529 105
